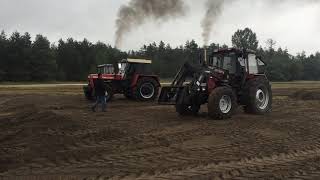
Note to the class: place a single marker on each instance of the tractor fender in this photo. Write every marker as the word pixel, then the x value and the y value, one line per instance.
pixel 136 78
pixel 211 84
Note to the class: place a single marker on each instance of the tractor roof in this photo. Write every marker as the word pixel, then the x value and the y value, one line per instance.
pixel 138 61
pixel 104 65
pixel 237 50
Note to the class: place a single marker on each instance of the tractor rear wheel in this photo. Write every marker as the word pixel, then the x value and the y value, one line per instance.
pixel 147 89
pixel 222 103
pixel 109 92
pixel 258 96
pixel 185 109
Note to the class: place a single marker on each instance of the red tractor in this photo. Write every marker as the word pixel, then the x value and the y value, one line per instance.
pixel 230 78
pixel 132 77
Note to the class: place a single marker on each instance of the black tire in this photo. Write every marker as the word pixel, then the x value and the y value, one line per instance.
pixel 88 93
pixel 184 109
pixel 144 85
pixel 109 92
pixel 257 96
pixel 222 103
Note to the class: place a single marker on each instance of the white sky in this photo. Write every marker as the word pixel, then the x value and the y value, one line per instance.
pixel 292 24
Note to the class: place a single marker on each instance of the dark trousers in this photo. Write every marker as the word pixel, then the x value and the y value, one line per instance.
pixel 100 100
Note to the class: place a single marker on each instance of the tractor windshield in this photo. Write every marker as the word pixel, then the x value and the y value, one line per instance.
pixel 224 61
pixel 106 69
pixel 122 68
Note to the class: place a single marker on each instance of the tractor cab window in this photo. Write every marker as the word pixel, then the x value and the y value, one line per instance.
pixel 106 69
pixel 122 68
pixel 215 62
pixel 243 65
pixel 224 61
pixel 229 63
pixel 261 66
pixel 253 64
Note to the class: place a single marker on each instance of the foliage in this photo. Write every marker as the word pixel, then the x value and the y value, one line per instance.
pixel 245 39
pixel 24 60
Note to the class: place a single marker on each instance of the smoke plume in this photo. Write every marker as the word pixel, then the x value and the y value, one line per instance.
pixel 137 12
pixel 213 11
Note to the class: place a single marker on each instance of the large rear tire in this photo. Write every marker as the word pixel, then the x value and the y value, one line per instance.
pixel 222 103
pixel 88 93
pixel 109 92
pixel 258 96
pixel 184 109
pixel 147 89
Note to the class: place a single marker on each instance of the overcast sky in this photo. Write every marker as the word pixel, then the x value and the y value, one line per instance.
pixel 292 24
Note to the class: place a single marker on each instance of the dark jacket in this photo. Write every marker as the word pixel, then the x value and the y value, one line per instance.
pixel 100 87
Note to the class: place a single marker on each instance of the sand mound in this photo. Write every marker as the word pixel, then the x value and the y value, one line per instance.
pixel 307 95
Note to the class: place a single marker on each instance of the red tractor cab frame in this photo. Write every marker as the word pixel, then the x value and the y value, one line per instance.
pixel 132 77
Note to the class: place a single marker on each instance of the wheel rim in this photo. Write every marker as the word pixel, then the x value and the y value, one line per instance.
pixel 225 104
pixel 147 90
pixel 262 99
pixel 107 96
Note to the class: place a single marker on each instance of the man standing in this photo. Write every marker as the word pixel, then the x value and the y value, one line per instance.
pixel 100 90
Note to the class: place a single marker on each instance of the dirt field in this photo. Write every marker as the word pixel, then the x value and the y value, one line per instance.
pixel 50 133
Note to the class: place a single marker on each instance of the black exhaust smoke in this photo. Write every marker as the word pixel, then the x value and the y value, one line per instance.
pixel 214 10
pixel 137 12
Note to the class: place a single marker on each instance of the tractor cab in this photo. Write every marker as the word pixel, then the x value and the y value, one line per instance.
pixel 237 62
pixel 239 65
pixel 129 67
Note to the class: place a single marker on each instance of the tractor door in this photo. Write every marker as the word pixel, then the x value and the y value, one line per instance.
pixel 255 65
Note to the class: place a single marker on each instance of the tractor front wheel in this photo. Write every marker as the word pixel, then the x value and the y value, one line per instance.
pixel 147 89
pixel 222 103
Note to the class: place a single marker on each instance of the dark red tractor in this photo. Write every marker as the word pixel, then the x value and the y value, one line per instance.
pixel 229 78
pixel 132 77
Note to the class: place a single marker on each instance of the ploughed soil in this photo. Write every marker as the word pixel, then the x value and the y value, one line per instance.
pixel 54 135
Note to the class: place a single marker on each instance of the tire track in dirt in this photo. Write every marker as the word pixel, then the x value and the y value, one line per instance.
pixel 245 168
pixel 154 151
pixel 172 157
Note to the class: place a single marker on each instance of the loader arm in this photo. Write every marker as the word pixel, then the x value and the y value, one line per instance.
pixel 168 94
pixel 185 71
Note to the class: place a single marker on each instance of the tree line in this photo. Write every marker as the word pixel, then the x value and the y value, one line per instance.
pixel 22 59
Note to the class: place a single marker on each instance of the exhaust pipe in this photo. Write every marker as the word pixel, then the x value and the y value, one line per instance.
pixel 205 55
